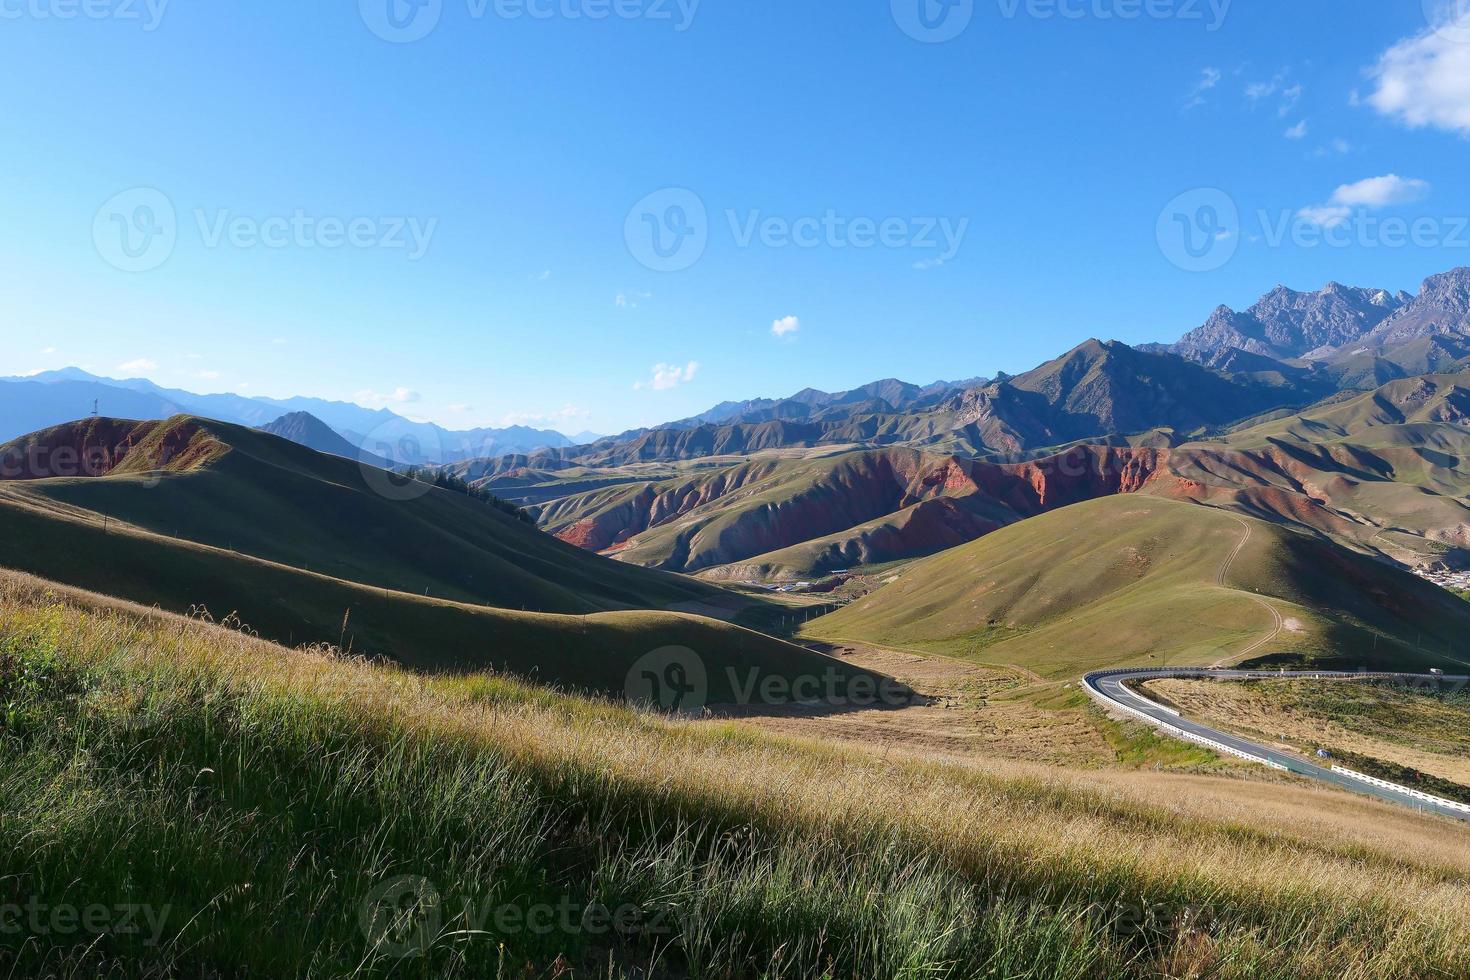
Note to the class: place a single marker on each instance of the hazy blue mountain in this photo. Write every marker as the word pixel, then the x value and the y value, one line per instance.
pixel 54 397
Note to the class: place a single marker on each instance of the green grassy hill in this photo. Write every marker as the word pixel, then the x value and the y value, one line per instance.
pixel 245 491
pixel 252 509
pixel 1141 580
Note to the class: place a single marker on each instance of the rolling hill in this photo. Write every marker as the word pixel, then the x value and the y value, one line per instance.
pixel 1382 472
pixel 306 547
pixel 1140 580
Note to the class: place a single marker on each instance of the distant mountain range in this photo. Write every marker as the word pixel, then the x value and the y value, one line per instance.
pixel 55 397
pixel 1288 350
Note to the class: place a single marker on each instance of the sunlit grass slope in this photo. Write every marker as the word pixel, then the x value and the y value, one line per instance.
pixel 283 813
pixel 1139 580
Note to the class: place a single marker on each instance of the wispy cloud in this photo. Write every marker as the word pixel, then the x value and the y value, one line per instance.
pixel 1297 132
pixel 398 396
pixel 1209 79
pixel 1289 98
pixel 666 376
pixel 630 300
pixel 138 365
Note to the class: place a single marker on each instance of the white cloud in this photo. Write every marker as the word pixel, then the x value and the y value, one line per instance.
pixel 666 376
pixel 209 375
pixel 48 350
pixel 787 326
pixel 1424 81
pixel 567 413
pixel 924 265
pixel 630 301
pixel 1375 192
pixel 1209 78
pixel 398 396
pixel 1325 215
pixel 544 276
pixel 1380 192
pixel 139 365
pixel 1297 132
pixel 1290 94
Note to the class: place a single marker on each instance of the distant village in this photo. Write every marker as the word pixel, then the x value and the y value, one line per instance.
pixel 1456 580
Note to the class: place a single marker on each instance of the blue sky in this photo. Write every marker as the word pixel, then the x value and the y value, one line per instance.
pixel 901 207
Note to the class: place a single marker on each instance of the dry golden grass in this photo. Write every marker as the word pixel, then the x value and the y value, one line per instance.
pixel 1361 889
pixel 1424 734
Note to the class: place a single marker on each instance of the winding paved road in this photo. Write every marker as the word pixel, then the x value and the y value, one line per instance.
pixel 1110 687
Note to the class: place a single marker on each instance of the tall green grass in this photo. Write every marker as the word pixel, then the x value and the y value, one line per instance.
pixel 298 815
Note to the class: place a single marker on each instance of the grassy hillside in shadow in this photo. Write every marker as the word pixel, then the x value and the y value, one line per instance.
pixel 273 500
pixel 246 491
